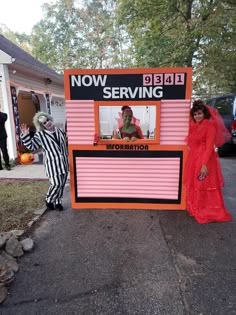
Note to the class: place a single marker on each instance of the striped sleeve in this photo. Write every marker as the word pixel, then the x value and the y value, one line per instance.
pixel 32 144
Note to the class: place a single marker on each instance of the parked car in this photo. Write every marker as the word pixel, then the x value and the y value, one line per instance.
pixel 226 105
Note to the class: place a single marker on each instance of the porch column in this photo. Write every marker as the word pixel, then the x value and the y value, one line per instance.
pixel 47 97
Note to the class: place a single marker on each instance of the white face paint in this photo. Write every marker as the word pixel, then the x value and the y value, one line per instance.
pixel 46 123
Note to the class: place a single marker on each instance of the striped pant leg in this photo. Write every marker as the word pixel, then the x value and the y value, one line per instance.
pixel 61 190
pixel 56 188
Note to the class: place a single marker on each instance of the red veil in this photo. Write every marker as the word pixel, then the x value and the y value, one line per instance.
pixel 222 133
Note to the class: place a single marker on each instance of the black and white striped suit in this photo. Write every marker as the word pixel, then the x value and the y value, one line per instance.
pixel 55 159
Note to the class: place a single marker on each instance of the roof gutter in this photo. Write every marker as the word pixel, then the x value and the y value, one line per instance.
pixel 44 73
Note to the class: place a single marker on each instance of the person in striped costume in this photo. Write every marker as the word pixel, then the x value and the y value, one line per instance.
pixel 52 141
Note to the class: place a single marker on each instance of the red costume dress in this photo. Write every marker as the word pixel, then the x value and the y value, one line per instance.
pixel 204 197
pixel 137 133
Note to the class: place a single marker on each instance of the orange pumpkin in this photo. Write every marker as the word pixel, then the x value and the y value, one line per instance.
pixel 26 158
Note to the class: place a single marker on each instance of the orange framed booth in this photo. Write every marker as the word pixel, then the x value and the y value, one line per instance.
pixel 108 173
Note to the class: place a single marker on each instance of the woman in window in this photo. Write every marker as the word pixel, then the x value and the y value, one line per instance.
pixel 128 131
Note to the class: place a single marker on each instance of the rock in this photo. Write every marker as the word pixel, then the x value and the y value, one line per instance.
pixel 3 239
pixel 27 244
pixel 8 261
pixel 14 247
pixel 17 233
pixel 6 277
pixel 3 293
pixel 7 256
pixel 6 234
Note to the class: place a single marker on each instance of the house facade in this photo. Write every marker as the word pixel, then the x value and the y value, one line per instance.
pixel 27 86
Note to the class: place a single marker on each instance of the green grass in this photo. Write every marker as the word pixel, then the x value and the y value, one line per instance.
pixel 18 201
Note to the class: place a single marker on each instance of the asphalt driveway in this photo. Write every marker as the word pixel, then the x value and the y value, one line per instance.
pixel 129 262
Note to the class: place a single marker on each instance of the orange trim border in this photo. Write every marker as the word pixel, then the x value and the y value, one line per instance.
pixel 154 144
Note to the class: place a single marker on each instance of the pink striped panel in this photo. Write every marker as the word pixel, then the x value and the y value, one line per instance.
pixel 174 120
pixel 128 177
pixel 80 122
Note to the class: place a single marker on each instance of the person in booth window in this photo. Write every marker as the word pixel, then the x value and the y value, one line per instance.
pixel 203 177
pixel 52 140
pixel 129 131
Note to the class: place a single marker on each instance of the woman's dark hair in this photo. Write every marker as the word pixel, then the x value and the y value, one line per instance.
pixel 199 105
pixel 124 108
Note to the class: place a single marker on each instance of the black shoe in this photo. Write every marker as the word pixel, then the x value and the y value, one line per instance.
pixel 1 168
pixel 59 207
pixel 50 206
pixel 8 167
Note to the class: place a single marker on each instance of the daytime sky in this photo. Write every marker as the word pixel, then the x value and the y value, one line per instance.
pixel 21 15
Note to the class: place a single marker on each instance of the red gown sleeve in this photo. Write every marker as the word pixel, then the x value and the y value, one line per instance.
pixel 210 142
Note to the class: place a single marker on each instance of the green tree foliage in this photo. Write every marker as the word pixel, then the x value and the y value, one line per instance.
pixel 104 40
pixel 74 36
pixel 54 39
pixel 216 67
pixel 198 33
pixel 141 33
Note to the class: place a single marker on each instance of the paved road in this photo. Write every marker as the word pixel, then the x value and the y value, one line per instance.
pixel 129 262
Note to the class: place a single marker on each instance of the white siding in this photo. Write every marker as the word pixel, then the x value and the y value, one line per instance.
pixel 30 83
pixel 56 92
pixel 1 98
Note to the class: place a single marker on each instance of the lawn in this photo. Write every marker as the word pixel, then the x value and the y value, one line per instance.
pixel 18 201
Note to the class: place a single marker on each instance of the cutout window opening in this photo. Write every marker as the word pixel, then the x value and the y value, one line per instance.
pixel 111 122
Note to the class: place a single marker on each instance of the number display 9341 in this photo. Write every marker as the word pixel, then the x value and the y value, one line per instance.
pixel 163 79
